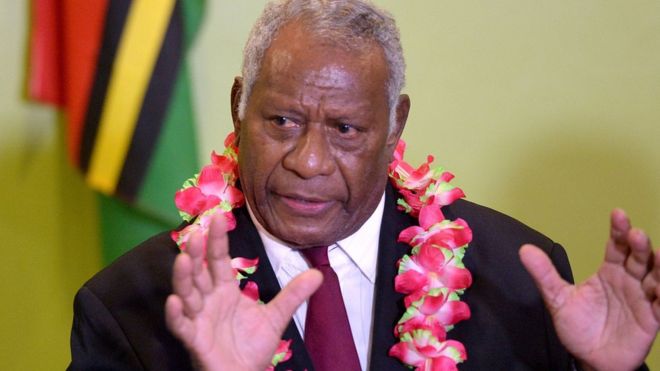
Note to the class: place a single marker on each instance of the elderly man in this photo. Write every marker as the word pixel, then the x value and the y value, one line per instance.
pixel 317 117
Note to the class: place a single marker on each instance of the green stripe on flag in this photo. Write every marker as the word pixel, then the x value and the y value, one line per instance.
pixel 123 227
pixel 193 10
pixel 175 156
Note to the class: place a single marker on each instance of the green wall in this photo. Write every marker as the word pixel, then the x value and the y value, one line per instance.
pixel 548 111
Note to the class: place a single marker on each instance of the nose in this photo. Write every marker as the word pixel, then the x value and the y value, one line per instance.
pixel 311 155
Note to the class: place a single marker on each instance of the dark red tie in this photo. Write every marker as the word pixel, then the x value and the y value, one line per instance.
pixel 328 336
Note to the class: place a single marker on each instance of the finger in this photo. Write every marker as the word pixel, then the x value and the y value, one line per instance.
pixel 545 276
pixel 183 286
pixel 196 250
pixel 656 304
pixel 182 283
pixel 282 307
pixel 651 283
pixel 620 225
pixel 617 248
pixel 639 259
pixel 181 326
pixel 218 259
pixel 200 274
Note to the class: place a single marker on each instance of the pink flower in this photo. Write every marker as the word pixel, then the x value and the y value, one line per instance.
pixel 243 267
pixel 226 165
pixel 211 190
pixel 193 201
pixel 411 202
pixel 183 236
pixel 405 176
pixel 441 309
pixel 437 231
pixel 422 186
pixel 282 354
pixel 420 348
pixel 431 269
pixel 251 290
pixel 447 312
pixel 213 186
pixel 201 225
pixel 228 161
pixel 416 321
pixel 437 193
pixel 399 151
pixel 230 144
pixel 442 193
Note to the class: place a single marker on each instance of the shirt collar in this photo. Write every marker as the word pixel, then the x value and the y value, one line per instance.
pixel 361 247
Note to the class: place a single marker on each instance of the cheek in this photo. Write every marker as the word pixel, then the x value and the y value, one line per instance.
pixel 259 158
pixel 253 164
pixel 364 174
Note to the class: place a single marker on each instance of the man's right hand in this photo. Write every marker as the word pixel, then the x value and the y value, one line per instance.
pixel 221 328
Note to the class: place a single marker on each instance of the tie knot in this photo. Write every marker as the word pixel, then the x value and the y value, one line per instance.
pixel 317 256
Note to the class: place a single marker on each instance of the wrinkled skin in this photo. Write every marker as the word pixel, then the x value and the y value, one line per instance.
pixel 315 143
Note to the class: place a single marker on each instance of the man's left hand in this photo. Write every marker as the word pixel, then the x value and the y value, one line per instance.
pixel 609 321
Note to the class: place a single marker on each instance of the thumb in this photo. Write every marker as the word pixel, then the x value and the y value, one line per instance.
pixel 282 307
pixel 545 276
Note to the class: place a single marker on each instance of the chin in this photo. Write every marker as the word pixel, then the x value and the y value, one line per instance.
pixel 308 237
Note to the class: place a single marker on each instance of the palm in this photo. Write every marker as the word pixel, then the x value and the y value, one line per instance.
pixel 587 312
pixel 611 320
pixel 221 327
pixel 235 317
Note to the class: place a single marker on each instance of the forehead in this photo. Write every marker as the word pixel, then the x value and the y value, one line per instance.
pixel 297 57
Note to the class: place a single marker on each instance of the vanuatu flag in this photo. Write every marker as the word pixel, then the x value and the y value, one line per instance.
pixel 118 70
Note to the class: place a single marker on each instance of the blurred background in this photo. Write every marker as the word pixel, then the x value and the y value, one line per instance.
pixel 547 111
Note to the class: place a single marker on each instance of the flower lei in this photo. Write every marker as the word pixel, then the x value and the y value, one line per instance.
pixel 432 275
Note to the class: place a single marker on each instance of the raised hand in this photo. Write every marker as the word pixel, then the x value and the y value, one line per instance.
pixel 608 322
pixel 221 328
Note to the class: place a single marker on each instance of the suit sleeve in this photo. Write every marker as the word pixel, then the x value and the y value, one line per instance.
pixel 560 261
pixel 97 340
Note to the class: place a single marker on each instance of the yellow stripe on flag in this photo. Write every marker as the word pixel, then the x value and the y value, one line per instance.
pixel 136 57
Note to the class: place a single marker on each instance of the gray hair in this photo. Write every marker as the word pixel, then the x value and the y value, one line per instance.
pixel 350 23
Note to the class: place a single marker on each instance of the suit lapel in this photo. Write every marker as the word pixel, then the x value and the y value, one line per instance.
pixel 388 304
pixel 244 241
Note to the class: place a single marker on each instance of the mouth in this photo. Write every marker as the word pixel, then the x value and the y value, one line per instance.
pixel 304 205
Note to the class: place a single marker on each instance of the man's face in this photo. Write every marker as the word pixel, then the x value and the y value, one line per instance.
pixel 315 143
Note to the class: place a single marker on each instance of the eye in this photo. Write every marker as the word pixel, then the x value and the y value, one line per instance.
pixel 283 121
pixel 345 128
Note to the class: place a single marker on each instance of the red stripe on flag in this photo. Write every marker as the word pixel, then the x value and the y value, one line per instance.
pixel 44 81
pixel 83 25
pixel 65 41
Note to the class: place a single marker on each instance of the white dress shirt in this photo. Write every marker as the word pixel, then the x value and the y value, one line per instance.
pixel 353 259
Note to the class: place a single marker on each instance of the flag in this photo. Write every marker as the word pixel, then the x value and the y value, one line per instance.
pixel 118 71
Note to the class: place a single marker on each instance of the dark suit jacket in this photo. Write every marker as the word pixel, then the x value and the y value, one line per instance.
pixel 119 317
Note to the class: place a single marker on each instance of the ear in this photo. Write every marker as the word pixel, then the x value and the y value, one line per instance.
pixel 402 110
pixel 236 91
